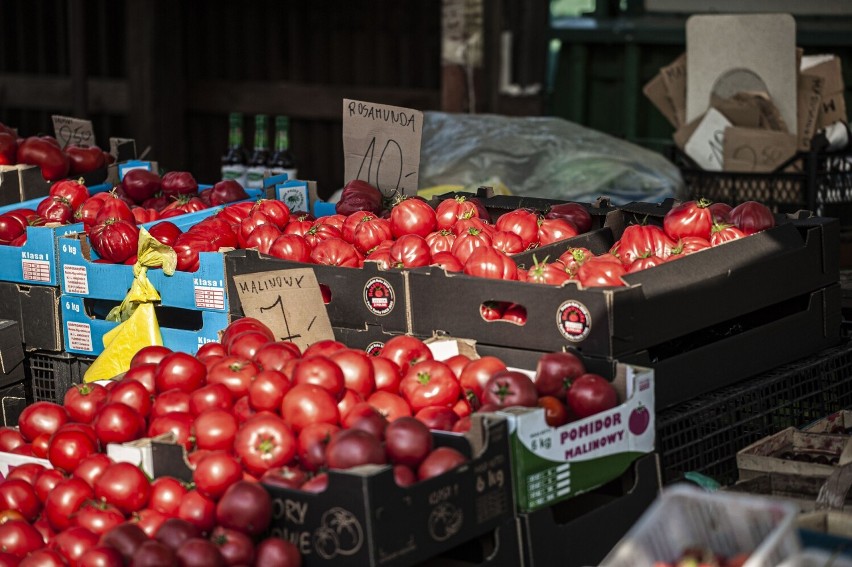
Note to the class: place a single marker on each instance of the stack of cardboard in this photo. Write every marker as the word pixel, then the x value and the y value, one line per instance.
pixel 743 98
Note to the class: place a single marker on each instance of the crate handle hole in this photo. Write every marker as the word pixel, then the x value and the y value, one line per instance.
pixel 503 312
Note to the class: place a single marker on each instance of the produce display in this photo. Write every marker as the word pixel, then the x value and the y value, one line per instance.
pixel 54 161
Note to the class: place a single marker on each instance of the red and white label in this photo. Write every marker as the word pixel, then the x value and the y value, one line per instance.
pixel 209 297
pixel 36 270
pixel 79 336
pixel 76 279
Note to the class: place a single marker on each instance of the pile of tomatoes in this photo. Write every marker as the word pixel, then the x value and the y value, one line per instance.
pixel 45 152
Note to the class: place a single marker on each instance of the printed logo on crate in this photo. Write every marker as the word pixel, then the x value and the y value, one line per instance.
pixel 379 296
pixel 574 321
pixel 552 464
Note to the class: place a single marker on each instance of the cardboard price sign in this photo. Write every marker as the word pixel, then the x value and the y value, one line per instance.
pixel 381 145
pixel 287 301
pixel 73 131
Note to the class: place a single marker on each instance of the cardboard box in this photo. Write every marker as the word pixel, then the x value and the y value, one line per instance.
pixel 829 530
pixel 553 464
pixel 36 308
pixel 765 456
pixel 802 491
pixel 581 531
pixel 358 295
pixel 833 103
pixel 205 289
pixel 21 183
pixel 11 354
pixel 84 325
pixel 13 400
pixel 836 423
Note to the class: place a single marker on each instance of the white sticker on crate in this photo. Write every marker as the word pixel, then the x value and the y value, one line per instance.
pixel 76 279
pixel 36 270
pixel 207 297
pixel 79 336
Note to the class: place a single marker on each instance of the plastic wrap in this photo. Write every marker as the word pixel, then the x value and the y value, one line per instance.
pixel 543 157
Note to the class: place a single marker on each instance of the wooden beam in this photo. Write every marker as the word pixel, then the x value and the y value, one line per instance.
pixel 38 92
pixel 321 102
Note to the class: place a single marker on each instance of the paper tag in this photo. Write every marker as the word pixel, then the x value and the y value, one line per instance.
pixel 381 145
pixel 76 279
pixel 73 131
pixel 705 144
pixel 289 302
pixel 79 336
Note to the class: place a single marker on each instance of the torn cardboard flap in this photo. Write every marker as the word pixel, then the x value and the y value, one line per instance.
pixel 744 113
pixel 705 144
pixel 674 79
pixel 656 92
pixel 809 98
pixel 758 151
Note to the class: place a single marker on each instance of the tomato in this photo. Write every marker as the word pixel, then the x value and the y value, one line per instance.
pixel 11 227
pixel 549 274
pixel 391 406
pixel 336 252
pixel 8 149
pixel 291 247
pixel 412 216
pixel 308 403
pixel 70 191
pixel 263 442
pixel 92 467
pixel 125 538
pixel 289 477
pixel 141 184
pixel 688 245
pixel 245 506
pixel 601 271
pixel 180 370
pixel 523 223
pixel 215 429
pixel 410 251
pixel 19 538
pixel 178 423
pixel 644 263
pixel 381 256
pixel 179 183
pixel 321 371
pixel 386 373
pixel 555 230
pixel 357 368
pixel 404 351
pixel 277 551
pixel 441 418
pixel 321 231
pixel 243 410
pixel 574 213
pixel 508 388
pixel 84 159
pixel 40 445
pixel 181 205
pixel 125 486
pixel 43 558
pixel 98 517
pixel 429 383
pixel 233 372
pixel 369 233
pixel 468 241
pixel 27 472
pixel 101 556
pixel 88 211
pixel 196 509
pixel 590 394
pixel 149 520
pixel 476 374
pixel 114 241
pixel 114 209
pixel 45 482
pixel 118 423
pixel 55 209
pixel 19 495
pixel 311 444
pixel 555 411
pixel 166 495
pixel 488 262
pixel 450 211
pixel 41 417
pixel 64 500
pixel 173 400
pixel 215 472
pixel 354 447
pixel 262 238
pixel 440 241
pixel 723 233
pixel 447 262
pixel 439 461
pixel 68 448
pixel 751 217
pixel 242 325
pixel 10 439
pixel 692 218
pixel 554 372
pixel 210 351
pixel 38 151
pixel 142 215
pixel 211 396
pixel 274 356
pixel 134 394
pixel 299 227
pixel 227 191
pixel 721 212
pixel 642 240
pixel 347 402
pixel 507 242
pixel 187 247
pixel 235 547
pixel 357 196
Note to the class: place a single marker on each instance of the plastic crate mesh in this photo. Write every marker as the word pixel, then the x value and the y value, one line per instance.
pixel 52 374
pixel 705 434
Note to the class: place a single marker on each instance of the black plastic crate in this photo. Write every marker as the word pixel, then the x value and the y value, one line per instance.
pixel 821 182
pixel 53 373
pixel 704 434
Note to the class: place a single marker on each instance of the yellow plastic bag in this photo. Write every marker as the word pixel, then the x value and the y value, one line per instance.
pixel 138 326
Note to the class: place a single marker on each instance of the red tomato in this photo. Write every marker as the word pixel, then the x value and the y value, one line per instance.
pixel 548 274
pixel 83 400
pixel 41 418
pixel 28 472
pixel 590 394
pixel 555 412
pixel 98 517
pixel 227 191
pixel 321 371
pixel 336 252
pixel 476 374
pixel 173 400
pixel 55 209
pixel 508 388
pixel 70 191
pixel 134 394
pixel 450 211
pixel 523 223
pixel 177 423
pixel 575 213
pixel 321 231
pixel 233 372
pixel 308 403
pixel 140 184
pixel 8 149
pixel 19 538
pixel 412 216
pixel 291 247
pixel 347 402
pixel 447 262
pixel 262 238
pixel 440 241
pixel 410 251
pixel 92 467
pixel 242 325
pixel 118 423
pixel 644 263
pixel 751 217
pixel 405 350
pixel 358 371
pixel 438 417
pixel 125 486
pixel 723 233
pixel 277 551
pixel 391 406
pixel 369 233
pixel 688 245
pixel 198 510
pixel 65 499
pixel 354 447
pixel 149 520
pixel 115 241
pixel 11 227
pixel 555 371
pixel 114 209
pixel 439 461
pixel 68 448
pixel 19 495
pixel 638 241
pixel 488 262
pixel 10 439
pixel 311 444
pixel 101 556
pixel 215 472
pixel 507 242
pixel 38 151
pixel 46 481
pixel 325 347
pixel 176 183
pixel 264 441
pixel 212 396
pixel 180 370
pixel 235 547
pixel 468 241
pixel 555 230
pixel 386 373
pixel 429 383
pixel 215 429
pixel 165 232
pixel 166 495
pixel 274 356
pixel 692 218
pixel 210 351
pixel 601 271
pixel 152 354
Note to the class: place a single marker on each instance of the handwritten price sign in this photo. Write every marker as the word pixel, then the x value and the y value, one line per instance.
pixel 381 145
pixel 73 131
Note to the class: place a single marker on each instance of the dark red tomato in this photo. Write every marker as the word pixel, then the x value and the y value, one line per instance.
pixel 447 261
pixel 11 227
pixel 68 448
pixel 65 499
pixel 554 372
pixel 311 444
pixel 354 447
pixel 267 390
pixel 600 271
pixel 125 486
pixel 450 211
pixel 277 551
pixel 236 547
pixel 245 506
pixel 439 461
pixel 644 263
pixel 166 495
pixel 158 202
pixel 407 442
pixel 70 191
pixel 215 430
pixel 125 538
pixel 212 396
pixel 165 232
pixel 180 370
pixel 507 388
pixel 476 374
pixel 215 472
pixel 10 439
pixel 8 149
pixel 429 383
pixel 363 412
pixel 246 344
pixel 242 325
pixel 440 241
pixel 101 556
pixel 386 373
pixel 19 495
pixel 114 209
pixel 289 477
pixel 336 252
pixel 173 400
pixel 177 423
pixel 263 442
pixel 488 262
pixel 405 350
pixel 227 191
pixel 118 423
pixel 115 241
pixel 198 510
pixel 134 394
pixel 233 372
pixel 548 274
pixel 575 213
pixel 523 223
pixel 590 394
pixel 308 403
pixel 721 213
pixel 555 411
pixel 98 517
pixel 83 400
pixel 441 418
pixel 692 218
pixel 359 196
pixel 55 209
pixel 751 217
pixel 176 183
pixel 410 251
pixel 273 356
pixel 41 418
pixel 291 247
pixel 141 184
pixel 92 467
pixel 723 233
pixel 507 242
pixel 555 230
pixel 468 241
pixel 53 162
pixel 84 159
pixel 412 216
